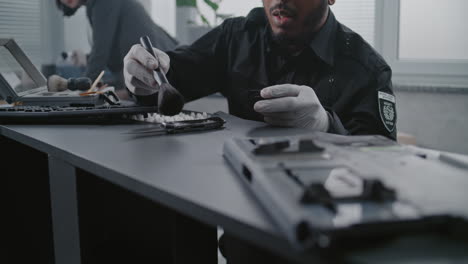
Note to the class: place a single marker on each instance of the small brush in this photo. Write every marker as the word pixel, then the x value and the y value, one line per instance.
pixel 56 83
pixel 170 101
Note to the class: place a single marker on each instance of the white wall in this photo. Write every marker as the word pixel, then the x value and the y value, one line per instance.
pixel 231 7
pixel 434 29
pixel 77 32
pixel 51 32
pixel 359 15
pixel 239 7
pixel 437 119
pixel 163 13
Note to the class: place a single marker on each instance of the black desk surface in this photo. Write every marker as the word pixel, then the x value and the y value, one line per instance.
pixel 186 172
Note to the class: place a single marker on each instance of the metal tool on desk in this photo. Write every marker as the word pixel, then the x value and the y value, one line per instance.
pixel 331 192
pixel 186 121
pixel 56 83
pixel 170 101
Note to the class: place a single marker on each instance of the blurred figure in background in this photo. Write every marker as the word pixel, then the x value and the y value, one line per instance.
pixel 117 25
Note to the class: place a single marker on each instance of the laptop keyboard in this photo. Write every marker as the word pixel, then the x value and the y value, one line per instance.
pixel 186 121
pixel 38 112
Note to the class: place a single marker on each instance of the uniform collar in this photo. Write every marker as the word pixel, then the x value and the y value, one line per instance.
pixel 323 43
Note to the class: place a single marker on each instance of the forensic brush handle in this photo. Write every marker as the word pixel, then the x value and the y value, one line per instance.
pixel 146 43
pixel 160 77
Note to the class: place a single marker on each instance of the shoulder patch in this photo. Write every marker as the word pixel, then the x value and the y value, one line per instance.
pixel 387 110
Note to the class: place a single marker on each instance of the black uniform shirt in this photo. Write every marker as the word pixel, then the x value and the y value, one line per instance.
pixel 351 80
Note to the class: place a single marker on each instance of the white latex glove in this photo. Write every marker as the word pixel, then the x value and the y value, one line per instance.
pixel 291 105
pixel 139 66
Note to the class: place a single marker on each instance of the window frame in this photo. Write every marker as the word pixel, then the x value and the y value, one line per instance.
pixel 431 72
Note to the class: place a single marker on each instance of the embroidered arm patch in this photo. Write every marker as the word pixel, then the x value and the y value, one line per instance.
pixel 387 110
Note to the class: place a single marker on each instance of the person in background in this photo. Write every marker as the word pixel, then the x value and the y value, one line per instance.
pixel 117 25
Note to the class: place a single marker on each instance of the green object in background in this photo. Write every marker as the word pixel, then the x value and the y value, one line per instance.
pixel 186 3
pixel 213 5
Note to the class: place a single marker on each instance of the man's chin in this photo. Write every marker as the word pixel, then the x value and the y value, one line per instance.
pixel 285 38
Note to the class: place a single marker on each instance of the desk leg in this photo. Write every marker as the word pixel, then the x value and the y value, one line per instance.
pixel 65 225
pixel 193 241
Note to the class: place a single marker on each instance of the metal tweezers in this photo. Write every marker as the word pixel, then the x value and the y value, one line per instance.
pixel 181 126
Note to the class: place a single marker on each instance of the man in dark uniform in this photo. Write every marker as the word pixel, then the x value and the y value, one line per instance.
pixel 294 51
pixel 309 70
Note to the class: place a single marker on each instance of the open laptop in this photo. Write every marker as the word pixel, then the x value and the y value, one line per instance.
pixel 24 88
pixel 21 83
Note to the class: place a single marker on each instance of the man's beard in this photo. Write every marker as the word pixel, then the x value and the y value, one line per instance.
pixel 310 24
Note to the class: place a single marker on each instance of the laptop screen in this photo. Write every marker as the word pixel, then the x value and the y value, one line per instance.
pixel 12 72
